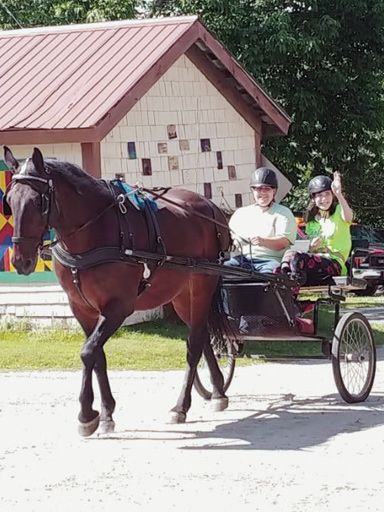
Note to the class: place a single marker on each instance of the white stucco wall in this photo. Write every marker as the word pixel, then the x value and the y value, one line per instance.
pixel 185 98
pixel 68 152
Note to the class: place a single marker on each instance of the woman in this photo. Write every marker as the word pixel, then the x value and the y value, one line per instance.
pixel 328 227
pixel 263 230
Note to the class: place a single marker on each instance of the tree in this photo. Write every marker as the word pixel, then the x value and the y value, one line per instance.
pixel 323 60
pixel 29 13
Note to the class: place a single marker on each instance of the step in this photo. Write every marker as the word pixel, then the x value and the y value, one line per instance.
pixel 46 305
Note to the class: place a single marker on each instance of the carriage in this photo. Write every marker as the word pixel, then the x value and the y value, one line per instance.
pixel 266 308
pixel 116 252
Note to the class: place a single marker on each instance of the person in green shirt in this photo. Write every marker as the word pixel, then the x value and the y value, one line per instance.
pixel 328 219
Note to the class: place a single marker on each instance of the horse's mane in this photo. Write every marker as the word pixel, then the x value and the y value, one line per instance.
pixel 66 168
pixel 73 175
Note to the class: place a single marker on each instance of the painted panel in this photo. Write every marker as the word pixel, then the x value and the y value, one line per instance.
pixel 6 231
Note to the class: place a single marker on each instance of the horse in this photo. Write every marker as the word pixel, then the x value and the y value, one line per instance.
pixel 119 246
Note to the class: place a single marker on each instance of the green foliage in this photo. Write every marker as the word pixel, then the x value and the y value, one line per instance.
pixel 323 61
pixel 29 13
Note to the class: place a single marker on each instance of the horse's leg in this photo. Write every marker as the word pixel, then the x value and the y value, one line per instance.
pixel 219 399
pixel 93 358
pixel 108 403
pixel 192 305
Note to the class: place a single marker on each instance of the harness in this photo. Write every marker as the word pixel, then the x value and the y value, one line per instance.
pixel 126 251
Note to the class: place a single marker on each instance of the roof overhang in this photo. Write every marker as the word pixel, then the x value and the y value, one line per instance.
pixel 211 58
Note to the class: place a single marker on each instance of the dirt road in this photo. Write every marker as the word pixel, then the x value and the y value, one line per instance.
pixel 286 443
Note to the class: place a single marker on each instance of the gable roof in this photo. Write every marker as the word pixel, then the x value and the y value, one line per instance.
pixel 74 83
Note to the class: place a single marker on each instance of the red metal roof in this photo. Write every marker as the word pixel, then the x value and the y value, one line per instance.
pixel 74 83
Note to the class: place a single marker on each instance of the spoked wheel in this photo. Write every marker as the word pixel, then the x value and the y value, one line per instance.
pixel 354 357
pixel 226 361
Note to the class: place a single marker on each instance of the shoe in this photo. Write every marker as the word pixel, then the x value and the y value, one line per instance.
pixel 300 277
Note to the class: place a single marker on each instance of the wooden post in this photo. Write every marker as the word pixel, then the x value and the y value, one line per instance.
pixel 258 148
pixel 91 158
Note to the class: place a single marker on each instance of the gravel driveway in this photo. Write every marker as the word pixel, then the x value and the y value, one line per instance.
pixel 286 443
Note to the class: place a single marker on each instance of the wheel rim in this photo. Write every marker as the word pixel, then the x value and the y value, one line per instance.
pixel 355 357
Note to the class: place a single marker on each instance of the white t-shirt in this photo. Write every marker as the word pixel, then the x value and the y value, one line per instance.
pixel 250 221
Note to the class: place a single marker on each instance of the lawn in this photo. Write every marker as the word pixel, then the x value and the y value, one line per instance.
pixel 154 345
pixel 150 346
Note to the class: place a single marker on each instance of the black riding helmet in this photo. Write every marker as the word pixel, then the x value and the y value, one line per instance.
pixel 319 184
pixel 263 177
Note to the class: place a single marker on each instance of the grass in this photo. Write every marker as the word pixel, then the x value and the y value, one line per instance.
pixel 150 346
pixel 156 345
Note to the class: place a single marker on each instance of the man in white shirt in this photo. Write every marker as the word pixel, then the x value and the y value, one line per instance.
pixel 263 231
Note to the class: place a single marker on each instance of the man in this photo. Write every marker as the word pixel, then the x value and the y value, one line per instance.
pixel 264 230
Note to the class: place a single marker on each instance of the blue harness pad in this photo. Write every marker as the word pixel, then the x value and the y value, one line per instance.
pixel 138 199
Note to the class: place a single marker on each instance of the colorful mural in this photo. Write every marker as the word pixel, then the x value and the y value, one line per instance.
pixel 6 231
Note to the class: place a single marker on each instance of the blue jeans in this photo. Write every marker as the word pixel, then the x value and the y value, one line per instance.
pixel 257 264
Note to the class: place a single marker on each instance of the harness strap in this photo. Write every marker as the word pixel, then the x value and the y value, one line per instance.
pixel 156 243
pixel 191 210
pixel 88 259
pixel 132 257
pixel 76 282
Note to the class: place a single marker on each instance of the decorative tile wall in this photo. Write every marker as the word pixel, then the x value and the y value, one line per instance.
pixel 180 115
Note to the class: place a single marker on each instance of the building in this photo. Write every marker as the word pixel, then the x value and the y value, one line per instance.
pixel 161 102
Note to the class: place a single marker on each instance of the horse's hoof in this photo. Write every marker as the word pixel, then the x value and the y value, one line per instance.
pixel 177 417
pixel 107 427
pixel 87 429
pixel 220 404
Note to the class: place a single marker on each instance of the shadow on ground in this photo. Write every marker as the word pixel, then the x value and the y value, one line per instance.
pixel 286 424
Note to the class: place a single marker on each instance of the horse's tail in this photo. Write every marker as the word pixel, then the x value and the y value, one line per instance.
pixel 220 327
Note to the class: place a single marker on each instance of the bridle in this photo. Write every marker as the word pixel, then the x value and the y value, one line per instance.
pixel 46 197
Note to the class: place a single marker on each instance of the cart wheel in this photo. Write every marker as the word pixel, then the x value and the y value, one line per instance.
pixel 353 357
pixel 226 361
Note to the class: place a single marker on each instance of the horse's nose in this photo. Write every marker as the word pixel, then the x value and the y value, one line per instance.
pixel 23 266
pixel 28 266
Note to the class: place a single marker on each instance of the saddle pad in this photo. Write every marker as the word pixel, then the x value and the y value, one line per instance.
pixel 138 199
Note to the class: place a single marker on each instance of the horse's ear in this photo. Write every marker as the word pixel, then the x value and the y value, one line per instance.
pixel 38 160
pixel 10 160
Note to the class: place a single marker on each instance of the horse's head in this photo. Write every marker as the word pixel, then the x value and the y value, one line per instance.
pixel 28 198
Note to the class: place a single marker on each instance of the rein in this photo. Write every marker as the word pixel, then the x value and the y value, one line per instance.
pixel 173 203
pixel 198 214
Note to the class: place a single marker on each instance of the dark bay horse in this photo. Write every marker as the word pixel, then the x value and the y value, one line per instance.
pixel 85 215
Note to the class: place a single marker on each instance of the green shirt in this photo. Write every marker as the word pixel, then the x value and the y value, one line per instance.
pixel 336 237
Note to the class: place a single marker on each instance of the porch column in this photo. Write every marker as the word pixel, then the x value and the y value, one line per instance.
pixel 91 158
pixel 258 149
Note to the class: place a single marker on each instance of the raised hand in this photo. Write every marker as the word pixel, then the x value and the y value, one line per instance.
pixel 336 184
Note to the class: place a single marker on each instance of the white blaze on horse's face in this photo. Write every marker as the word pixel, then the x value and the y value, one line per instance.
pixel 24 167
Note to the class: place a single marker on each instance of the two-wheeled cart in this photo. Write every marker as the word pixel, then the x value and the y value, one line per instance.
pixel 261 307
